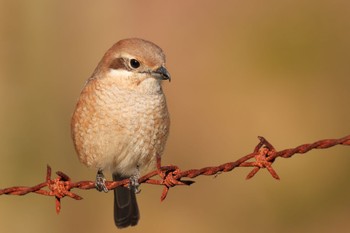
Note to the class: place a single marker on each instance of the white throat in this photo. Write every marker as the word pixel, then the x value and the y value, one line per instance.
pixel 138 82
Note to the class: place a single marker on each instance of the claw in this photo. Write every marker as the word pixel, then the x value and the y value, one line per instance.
pixel 134 184
pixel 100 183
pixel 134 181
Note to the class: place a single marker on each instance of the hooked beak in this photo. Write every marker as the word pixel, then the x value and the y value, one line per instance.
pixel 161 73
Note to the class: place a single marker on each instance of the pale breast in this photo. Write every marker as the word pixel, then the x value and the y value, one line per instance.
pixel 117 129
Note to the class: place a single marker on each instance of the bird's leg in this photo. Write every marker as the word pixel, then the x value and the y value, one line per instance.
pixel 159 163
pixel 134 181
pixel 100 183
pixel 159 167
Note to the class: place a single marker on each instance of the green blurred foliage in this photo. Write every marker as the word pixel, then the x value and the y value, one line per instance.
pixel 240 69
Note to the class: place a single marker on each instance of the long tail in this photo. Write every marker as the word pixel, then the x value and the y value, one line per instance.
pixel 126 211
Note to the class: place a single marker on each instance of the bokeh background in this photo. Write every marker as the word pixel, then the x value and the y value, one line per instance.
pixel 239 69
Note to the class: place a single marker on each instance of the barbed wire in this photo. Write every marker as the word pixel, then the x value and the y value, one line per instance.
pixel 264 154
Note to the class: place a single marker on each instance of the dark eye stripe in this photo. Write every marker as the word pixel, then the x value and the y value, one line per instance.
pixel 118 64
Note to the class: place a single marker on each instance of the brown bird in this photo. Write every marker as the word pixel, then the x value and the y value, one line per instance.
pixel 121 121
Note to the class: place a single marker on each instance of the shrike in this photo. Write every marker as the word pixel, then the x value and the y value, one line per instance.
pixel 121 121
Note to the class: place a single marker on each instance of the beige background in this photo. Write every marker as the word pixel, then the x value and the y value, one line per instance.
pixel 239 69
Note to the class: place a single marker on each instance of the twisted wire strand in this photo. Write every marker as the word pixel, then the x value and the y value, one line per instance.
pixel 264 155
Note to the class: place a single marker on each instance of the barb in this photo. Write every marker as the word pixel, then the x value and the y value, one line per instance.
pixel 264 155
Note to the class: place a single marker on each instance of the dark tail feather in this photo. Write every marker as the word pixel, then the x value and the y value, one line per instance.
pixel 126 211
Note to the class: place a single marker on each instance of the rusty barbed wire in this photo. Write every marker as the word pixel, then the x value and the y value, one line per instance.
pixel 264 154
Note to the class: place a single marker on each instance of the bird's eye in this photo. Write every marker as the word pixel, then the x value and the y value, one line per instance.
pixel 134 63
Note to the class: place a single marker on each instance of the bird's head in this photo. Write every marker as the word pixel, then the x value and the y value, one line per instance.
pixel 134 64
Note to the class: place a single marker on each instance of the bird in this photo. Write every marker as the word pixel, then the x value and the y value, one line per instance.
pixel 121 121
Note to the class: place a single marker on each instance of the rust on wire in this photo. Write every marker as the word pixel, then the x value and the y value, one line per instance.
pixel 264 156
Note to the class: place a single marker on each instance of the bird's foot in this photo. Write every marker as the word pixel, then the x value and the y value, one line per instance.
pixel 100 183
pixel 134 182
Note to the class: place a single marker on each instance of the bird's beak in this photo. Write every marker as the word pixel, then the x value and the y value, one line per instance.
pixel 161 73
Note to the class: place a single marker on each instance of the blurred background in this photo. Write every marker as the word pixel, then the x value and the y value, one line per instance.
pixel 239 69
